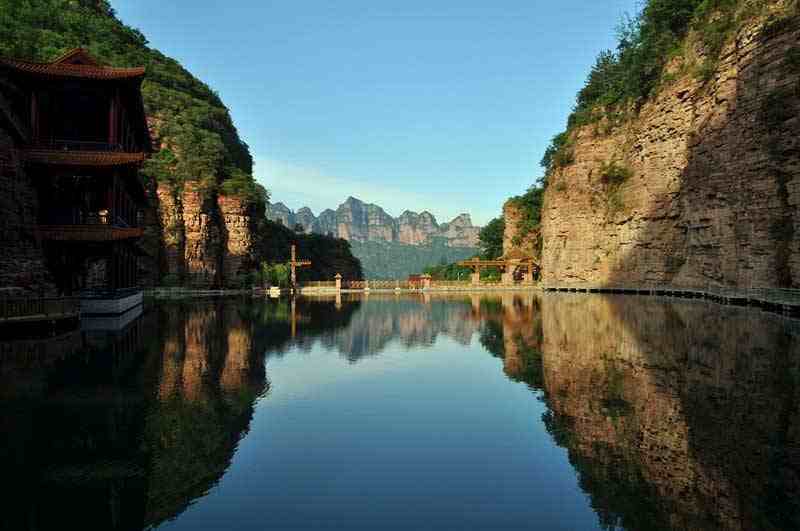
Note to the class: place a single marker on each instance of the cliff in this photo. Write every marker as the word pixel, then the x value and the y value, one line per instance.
pixel 357 221
pixel 702 185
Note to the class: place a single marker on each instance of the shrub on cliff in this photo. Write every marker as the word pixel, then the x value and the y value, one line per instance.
pixel 530 206
pixel 614 173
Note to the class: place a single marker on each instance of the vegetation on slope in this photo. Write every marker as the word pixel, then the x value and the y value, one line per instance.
pixel 490 239
pixel 197 138
pixel 392 260
pixel 328 255
pixel 529 205
pixel 621 81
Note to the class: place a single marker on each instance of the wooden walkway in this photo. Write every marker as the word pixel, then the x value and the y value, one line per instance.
pixel 773 299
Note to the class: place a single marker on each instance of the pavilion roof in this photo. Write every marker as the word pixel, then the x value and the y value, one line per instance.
pixel 77 63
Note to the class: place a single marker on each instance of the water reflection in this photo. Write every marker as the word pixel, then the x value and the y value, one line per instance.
pixel 676 415
pixel 673 414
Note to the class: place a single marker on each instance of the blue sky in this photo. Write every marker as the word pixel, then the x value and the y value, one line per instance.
pixel 439 105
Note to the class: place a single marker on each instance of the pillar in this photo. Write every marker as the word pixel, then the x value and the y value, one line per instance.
pixel 475 277
pixel 338 279
pixel 426 281
pixel 529 275
pixel 507 278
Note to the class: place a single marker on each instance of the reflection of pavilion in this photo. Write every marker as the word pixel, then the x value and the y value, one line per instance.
pixel 515 265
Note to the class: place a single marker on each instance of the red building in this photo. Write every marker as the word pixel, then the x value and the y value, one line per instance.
pixel 84 137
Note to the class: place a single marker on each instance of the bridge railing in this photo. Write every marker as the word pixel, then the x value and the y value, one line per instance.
pixel 319 284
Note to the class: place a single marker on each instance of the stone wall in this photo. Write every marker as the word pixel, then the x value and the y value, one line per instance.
pixel 715 185
pixel 22 263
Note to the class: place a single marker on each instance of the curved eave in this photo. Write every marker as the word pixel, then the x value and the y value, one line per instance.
pixel 74 71
pixel 82 158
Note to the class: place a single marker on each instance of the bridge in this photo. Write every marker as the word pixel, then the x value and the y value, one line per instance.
pixel 510 264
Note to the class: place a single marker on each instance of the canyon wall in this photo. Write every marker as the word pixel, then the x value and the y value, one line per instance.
pixel 203 240
pixel 714 185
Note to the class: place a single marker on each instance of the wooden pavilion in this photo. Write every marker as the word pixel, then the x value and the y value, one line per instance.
pixel 84 136
pixel 515 266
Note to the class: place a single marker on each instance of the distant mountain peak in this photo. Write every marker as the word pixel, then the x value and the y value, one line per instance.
pixel 355 220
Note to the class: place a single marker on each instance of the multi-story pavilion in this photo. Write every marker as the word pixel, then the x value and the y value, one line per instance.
pixel 84 137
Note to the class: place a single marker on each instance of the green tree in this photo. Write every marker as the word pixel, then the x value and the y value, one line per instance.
pixel 491 239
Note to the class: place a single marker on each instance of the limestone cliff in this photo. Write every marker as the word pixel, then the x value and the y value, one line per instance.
pixel 712 178
pixel 205 239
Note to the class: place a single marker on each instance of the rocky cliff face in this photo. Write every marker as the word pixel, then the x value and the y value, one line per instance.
pixel 357 221
pixel 714 188
pixel 513 238
pixel 203 240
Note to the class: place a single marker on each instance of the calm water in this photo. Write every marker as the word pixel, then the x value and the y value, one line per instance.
pixel 449 412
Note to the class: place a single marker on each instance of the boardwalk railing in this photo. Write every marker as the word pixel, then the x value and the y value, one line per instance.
pixel 35 309
pixel 787 299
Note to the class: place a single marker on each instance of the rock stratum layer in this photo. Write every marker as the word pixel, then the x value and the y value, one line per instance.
pixel 355 220
pixel 715 180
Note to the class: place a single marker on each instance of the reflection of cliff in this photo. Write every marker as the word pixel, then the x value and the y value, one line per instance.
pixel 512 330
pixel 676 414
pixel 211 376
pixel 131 429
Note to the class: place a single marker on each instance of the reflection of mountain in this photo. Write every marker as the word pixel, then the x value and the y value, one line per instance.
pixel 413 322
pixel 357 327
pixel 676 414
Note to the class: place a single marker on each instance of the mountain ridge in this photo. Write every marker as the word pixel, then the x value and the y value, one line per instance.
pixel 355 220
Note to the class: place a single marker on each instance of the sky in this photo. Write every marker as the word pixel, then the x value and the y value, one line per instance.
pixel 438 105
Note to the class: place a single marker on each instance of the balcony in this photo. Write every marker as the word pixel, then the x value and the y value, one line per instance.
pixel 62 144
pixel 76 225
